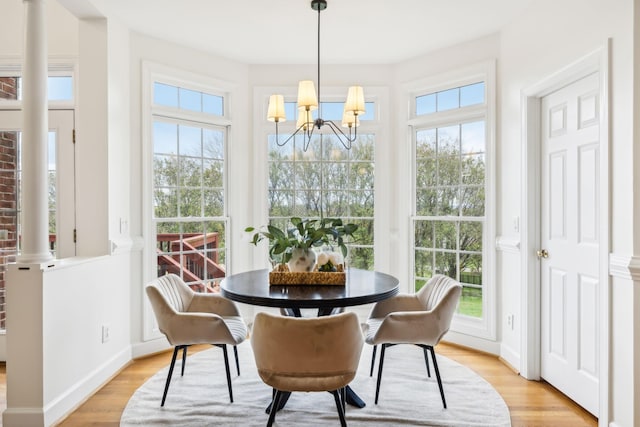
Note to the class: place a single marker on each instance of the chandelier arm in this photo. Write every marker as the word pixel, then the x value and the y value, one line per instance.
pixel 341 135
pixel 306 141
pixel 282 144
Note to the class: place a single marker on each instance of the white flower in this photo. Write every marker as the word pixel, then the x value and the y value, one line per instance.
pixel 336 258
pixel 323 258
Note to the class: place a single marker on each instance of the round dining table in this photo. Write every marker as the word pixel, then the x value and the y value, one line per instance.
pixel 361 287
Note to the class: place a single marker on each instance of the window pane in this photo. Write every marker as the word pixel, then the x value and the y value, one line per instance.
pixel 424 266
pixel 213 174
pixel 448 140
pixel 165 138
pixel 426 173
pixel 471 236
pixel 370 111
pixel 165 171
pixel 446 263
pixel 165 95
pixel 213 104
pixel 165 202
pixel 426 143
pixel 448 170
pixel 190 99
pixel 473 137
pixel 426 104
pixel 213 144
pixel 190 141
pixel 362 148
pixel 332 111
pixel 472 94
pixel 360 258
pixel 448 99
pixel 60 88
pixel 190 202
pixel 281 175
pixel 472 201
pixel 423 234
pixel 473 169
pixel 361 176
pixel 281 203
pixel 446 235
pixel 213 202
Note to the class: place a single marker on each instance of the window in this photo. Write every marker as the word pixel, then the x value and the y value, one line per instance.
pixel 60 169
pixel 189 144
pixel 451 179
pixel 326 180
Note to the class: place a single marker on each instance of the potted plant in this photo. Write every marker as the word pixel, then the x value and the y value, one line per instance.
pixel 294 246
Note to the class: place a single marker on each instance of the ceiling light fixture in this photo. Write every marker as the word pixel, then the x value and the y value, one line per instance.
pixel 308 102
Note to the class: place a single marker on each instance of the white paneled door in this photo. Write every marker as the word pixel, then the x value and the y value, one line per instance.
pixel 569 253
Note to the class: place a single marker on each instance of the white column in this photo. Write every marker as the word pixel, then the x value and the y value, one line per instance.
pixel 35 222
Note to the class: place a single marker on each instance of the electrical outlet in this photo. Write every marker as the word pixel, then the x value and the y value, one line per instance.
pixel 105 333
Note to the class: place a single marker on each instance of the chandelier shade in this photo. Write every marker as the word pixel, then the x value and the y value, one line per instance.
pixel 308 101
pixel 276 111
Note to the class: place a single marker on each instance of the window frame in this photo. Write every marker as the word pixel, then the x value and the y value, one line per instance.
pixel 484 327
pixel 152 73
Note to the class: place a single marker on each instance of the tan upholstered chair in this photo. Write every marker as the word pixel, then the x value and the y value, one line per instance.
pixel 421 319
pixel 307 354
pixel 186 317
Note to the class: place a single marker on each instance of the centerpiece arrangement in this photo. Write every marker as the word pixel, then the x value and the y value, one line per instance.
pixel 292 250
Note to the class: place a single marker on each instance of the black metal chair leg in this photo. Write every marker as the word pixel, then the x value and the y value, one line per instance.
pixel 338 399
pixel 380 363
pixel 274 404
pixel 435 367
pixel 373 360
pixel 235 353
pixel 173 362
pixel 184 360
pixel 426 360
pixel 226 365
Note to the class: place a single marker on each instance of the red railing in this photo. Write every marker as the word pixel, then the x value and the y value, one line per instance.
pixel 194 255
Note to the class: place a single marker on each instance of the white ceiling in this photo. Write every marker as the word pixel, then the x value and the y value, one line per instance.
pixel 285 31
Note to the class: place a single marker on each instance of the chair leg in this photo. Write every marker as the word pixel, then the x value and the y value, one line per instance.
pixel 380 363
pixel 173 362
pixel 184 360
pixel 226 365
pixel 373 360
pixel 235 353
pixel 426 359
pixel 274 404
pixel 338 399
pixel 435 367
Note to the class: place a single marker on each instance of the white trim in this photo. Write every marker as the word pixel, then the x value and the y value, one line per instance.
pixel 152 346
pixel 508 244
pixel 510 355
pixel 597 61
pixel 70 399
pixel 624 266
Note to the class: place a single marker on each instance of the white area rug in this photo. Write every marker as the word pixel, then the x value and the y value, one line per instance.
pixel 407 396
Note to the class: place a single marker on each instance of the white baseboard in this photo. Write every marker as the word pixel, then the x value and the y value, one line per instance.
pixel 146 348
pixel 510 356
pixel 68 401
pixel 78 393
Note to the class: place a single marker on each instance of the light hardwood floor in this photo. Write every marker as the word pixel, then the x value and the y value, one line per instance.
pixel 531 403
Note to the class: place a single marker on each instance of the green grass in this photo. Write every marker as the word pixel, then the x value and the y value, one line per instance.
pixel 470 301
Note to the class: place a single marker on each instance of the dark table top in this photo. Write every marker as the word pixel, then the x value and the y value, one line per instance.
pixel 362 287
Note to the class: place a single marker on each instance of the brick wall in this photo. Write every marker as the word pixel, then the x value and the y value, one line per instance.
pixel 8 190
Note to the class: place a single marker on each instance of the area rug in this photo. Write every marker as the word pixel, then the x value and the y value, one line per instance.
pixel 407 396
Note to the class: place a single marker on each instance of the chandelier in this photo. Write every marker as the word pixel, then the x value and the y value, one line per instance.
pixel 308 102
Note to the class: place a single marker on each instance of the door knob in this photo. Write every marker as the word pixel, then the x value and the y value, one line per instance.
pixel 542 253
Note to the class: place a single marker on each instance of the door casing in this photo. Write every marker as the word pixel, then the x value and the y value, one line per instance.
pixel 530 306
